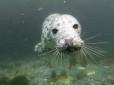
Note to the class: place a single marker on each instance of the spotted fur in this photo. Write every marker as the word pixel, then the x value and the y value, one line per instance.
pixel 63 23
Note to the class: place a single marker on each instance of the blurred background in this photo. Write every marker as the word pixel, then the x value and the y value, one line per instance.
pixel 21 23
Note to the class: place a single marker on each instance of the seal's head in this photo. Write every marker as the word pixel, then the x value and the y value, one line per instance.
pixel 62 32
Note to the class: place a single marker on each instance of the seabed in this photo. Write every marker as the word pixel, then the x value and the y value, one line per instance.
pixel 36 72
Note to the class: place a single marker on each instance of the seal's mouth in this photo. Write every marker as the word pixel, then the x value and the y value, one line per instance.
pixel 69 49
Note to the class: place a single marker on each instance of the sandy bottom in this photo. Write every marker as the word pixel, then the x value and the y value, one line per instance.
pixel 40 71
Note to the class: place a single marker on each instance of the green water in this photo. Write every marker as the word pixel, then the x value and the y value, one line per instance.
pixel 20 30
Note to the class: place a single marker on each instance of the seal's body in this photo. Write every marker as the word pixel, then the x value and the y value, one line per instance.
pixel 61 31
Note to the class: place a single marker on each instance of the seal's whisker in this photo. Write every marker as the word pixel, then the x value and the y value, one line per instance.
pixel 90 55
pixel 82 56
pixel 93 53
pixel 47 52
pixel 85 55
pixel 98 54
pixel 96 43
pixel 51 57
pixel 57 58
pixel 92 37
pixel 84 34
pixel 95 50
pixel 54 56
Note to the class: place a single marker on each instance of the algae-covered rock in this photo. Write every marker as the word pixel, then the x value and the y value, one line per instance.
pixel 64 78
pixel 19 80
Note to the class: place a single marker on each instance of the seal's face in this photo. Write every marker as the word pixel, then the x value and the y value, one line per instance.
pixel 66 33
pixel 64 30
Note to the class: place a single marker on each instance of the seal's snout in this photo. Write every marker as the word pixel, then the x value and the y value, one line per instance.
pixel 78 44
pixel 70 45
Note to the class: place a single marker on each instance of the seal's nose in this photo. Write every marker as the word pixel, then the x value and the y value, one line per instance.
pixel 69 42
pixel 78 44
pixel 71 45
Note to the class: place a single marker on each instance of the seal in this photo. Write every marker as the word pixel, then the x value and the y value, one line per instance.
pixel 61 37
pixel 61 31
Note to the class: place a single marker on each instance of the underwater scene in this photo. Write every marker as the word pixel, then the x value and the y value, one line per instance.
pixel 56 42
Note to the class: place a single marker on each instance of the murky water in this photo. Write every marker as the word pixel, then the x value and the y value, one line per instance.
pixel 20 30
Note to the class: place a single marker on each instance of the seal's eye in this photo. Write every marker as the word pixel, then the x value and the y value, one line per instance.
pixel 54 31
pixel 75 26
